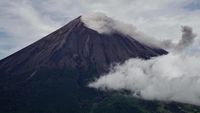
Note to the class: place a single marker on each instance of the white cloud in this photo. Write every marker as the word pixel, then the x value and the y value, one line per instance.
pixel 23 24
pixel 28 20
pixel 173 77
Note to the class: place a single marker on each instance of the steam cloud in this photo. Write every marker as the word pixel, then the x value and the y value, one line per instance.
pixel 106 25
pixel 172 77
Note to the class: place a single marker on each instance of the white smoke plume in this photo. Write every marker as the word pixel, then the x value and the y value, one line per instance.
pixel 172 77
pixel 106 25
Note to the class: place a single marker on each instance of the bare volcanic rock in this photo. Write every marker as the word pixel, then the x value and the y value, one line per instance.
pixel 76 46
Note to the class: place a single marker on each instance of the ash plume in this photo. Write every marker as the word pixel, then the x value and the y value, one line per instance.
pixel 187 38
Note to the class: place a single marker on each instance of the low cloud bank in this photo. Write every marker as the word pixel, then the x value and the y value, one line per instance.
pixel 172 77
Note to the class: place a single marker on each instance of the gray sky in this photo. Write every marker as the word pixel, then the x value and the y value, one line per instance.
pixel 24 21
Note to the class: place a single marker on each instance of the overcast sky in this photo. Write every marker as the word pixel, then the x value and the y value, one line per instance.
pixel 24 21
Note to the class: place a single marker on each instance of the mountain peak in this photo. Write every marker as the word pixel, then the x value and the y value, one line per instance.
pixel 78 45
pixel 99 22
pixel 52 74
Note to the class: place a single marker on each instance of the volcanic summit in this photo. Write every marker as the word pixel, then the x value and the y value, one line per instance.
pixel 51 75
pixel 76 46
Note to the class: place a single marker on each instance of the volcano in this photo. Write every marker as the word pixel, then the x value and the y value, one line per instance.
pixel 52 74
pixel 77 47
